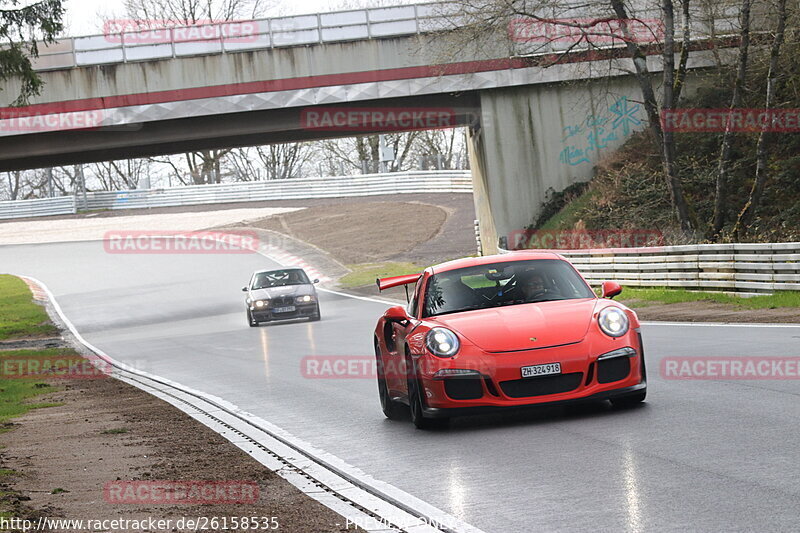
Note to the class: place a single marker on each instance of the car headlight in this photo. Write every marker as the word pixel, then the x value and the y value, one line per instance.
pixel 614 322
pixel 442 342
pixel 260 303
pixel 305 299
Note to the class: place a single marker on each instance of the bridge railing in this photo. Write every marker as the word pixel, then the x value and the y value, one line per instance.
pixel 127 41
pixel 437 181
pixel 123 42
pixel 747 267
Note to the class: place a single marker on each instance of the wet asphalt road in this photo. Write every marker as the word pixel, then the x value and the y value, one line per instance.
pixel 698 456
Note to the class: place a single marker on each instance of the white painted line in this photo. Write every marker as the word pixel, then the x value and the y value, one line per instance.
pixel 720 324
pixel 365 298
pixel 386 493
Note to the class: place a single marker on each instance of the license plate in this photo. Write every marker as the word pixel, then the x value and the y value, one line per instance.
pixel 287 309
pixel 541 370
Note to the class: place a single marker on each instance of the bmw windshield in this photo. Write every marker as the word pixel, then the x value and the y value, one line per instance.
pixel 502 284
pixel 279 278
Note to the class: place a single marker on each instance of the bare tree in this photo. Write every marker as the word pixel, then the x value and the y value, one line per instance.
pixel 726 151
pixel 276 161
pixel 747 214
pixel 357 154
pixel 608 19
pixel 204 166
pixel 121 175
pixel 14 180
pixel 158 13
pixel 448 145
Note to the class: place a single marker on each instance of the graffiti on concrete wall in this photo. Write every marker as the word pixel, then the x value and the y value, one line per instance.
pixel 594 133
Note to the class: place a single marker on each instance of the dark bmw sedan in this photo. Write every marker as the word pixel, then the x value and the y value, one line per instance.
pixel 279 295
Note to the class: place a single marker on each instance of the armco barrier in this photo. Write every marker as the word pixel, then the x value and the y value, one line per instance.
pixel 724 267
pixel 63 205
pixel 437 181
pixel 290 189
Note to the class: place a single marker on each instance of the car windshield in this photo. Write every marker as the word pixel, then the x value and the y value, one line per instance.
pixel 280 278
pixel 501 284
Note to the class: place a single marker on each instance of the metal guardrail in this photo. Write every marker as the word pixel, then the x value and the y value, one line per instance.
pixel 437 181
pixel 727 267
pixel 63 205
pixel 291 189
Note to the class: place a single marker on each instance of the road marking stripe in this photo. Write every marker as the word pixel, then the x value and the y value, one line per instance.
pixel 394 503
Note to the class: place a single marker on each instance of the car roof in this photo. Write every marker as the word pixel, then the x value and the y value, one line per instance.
pixel 522 255
pixel 277 269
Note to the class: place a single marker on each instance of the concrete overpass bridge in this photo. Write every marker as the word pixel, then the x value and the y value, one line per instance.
pixel 534 126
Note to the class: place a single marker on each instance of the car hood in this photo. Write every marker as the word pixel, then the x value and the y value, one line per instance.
pixel 511 328
pixel 277 292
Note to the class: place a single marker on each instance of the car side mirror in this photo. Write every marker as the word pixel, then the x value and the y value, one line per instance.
pixel 244 289
pixel 396 314
pixel 316 281
pixel 611 289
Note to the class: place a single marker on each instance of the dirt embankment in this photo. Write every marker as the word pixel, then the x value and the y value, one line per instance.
pixel 105 430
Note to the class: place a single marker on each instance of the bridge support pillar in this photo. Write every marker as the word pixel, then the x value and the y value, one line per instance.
pixel 537 140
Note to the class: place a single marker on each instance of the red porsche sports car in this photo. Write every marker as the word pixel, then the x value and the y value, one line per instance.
pixel 500 331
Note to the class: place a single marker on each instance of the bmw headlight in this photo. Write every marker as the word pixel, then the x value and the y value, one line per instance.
pixel 442 342
pixel 260 303
pixel 614 322
pixel 305 299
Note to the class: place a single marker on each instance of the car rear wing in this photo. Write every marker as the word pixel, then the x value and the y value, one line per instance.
pixel 396 281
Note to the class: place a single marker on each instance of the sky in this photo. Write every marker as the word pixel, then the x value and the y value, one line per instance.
pixel 85 17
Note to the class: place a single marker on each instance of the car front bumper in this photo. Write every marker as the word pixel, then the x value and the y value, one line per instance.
pixel 498 383
pixel 301 310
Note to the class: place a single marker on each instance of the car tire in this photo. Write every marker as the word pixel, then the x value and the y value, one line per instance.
pixel 250 320
pixel 316 316
pixel 391 409
pixel 416 404
pixel 630 400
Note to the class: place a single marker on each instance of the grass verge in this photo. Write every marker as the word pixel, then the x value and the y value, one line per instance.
pixel 366 273
pixel 671 296
pixel 19 315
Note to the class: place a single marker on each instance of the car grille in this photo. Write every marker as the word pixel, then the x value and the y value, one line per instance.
pixel 524 388
pixel 283 301
pixel 464 388
pixel 615 369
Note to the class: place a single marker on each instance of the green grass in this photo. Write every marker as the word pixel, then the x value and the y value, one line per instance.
pixel 366 273
pixel 567 217
pixel 671 296
pixel 19 315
